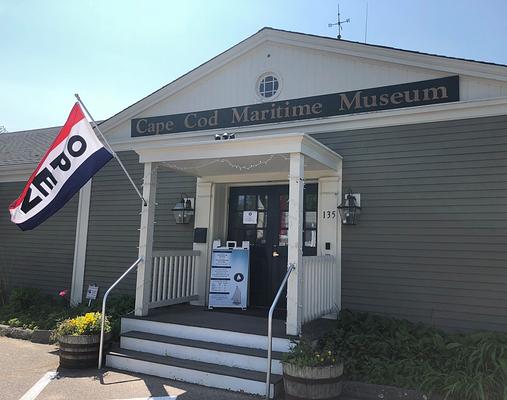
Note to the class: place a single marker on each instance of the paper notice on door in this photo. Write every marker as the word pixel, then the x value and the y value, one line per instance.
pixel 250 217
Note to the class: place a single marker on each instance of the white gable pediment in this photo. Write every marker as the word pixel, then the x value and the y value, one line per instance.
pixel 306 66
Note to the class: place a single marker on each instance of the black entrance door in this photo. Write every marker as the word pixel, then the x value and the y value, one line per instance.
pixel 260 215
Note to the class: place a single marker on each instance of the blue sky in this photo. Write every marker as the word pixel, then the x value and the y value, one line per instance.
pixel 116 52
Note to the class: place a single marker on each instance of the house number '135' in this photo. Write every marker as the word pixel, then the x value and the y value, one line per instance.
pixel 329 214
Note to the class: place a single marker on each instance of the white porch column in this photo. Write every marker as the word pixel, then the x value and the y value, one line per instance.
pixel 295 242
pixel 143 284
pixel 203 217
pixel 78 269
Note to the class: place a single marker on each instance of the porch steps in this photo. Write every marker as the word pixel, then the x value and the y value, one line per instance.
pixel 217 353
pixel 206 374
pixel 227 359
pixel 206 333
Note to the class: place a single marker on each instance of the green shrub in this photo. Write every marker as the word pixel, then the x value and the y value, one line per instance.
pixel 396 352
pixel 15 322
pixel 23 299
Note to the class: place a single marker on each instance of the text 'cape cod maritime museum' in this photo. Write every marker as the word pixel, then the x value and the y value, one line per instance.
pixel 280 130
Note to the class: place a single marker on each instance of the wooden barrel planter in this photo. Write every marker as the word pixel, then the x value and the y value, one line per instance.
pixel 81 351
pixel 312 382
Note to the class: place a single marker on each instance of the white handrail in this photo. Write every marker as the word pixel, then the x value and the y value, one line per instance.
pixel 104 300
pixel 290 268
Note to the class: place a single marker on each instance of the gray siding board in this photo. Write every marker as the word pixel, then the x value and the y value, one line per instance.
pixel 168 234
pixel 113 232
pixel 437 141
pixel 422 132
pixel 43 257
pixel 113 224
pixel 430 245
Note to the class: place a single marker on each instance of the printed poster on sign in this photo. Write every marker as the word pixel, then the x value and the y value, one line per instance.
pixel 229 278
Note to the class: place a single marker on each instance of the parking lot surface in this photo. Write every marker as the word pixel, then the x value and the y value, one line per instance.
pixel 23 365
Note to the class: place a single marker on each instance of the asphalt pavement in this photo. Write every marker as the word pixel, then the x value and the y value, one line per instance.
pixel 25 370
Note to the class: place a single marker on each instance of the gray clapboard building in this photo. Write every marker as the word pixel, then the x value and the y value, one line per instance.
pixel 287 126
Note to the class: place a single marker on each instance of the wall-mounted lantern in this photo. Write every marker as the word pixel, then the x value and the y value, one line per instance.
pixel 350 209
pixel 183 210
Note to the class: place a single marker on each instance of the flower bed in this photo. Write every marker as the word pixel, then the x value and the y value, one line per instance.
pixel 395 352
pixel 28 308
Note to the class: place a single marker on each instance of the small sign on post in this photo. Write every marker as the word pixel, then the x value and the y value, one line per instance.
pixel 91 293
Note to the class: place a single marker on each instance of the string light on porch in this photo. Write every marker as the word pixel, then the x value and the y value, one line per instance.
pixel 239 167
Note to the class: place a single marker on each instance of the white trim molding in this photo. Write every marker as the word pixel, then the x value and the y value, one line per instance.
pixel 293 142
pixel 78 269
pixel 406 116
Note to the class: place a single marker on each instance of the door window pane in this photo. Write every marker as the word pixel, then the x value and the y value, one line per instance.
pixel 237 219
pixel 251 202
pixel 251 235
pixel 284 220
pixel 310 201
pixel 310 238
pixel 240 205
pixel 310 219
pixel 284 202
pixel 261 219
pixel 263 202
pixel 283 238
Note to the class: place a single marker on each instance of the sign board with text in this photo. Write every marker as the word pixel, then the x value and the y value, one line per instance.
pixel 434 91
pixel 229 276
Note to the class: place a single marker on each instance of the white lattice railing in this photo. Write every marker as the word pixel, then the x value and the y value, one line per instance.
pixel 173 278
pixel 320 291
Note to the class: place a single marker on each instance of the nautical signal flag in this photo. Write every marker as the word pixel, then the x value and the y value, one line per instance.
pixel 73 158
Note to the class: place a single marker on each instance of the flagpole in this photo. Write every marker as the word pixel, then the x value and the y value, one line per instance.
pixel 111 150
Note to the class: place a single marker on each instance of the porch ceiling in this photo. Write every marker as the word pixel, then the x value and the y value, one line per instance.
pixel 249 155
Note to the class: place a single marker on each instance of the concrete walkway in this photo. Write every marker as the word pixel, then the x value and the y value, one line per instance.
pixel 23 364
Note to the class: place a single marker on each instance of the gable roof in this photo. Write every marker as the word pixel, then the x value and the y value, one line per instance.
pixel 430 61
pixel 25 147
pixel 391 48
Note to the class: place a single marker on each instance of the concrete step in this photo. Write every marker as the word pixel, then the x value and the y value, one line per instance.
pixel 209 352
pixel 204 334
pixel 201 373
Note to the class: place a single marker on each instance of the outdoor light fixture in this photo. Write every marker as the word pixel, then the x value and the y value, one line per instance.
pixel 183 210
pixel 225 136
pixel 350 209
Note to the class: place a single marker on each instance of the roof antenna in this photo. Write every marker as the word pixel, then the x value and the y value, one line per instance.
pixel 339 23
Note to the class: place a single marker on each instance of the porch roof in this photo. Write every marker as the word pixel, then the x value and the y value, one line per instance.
pixel 263 154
